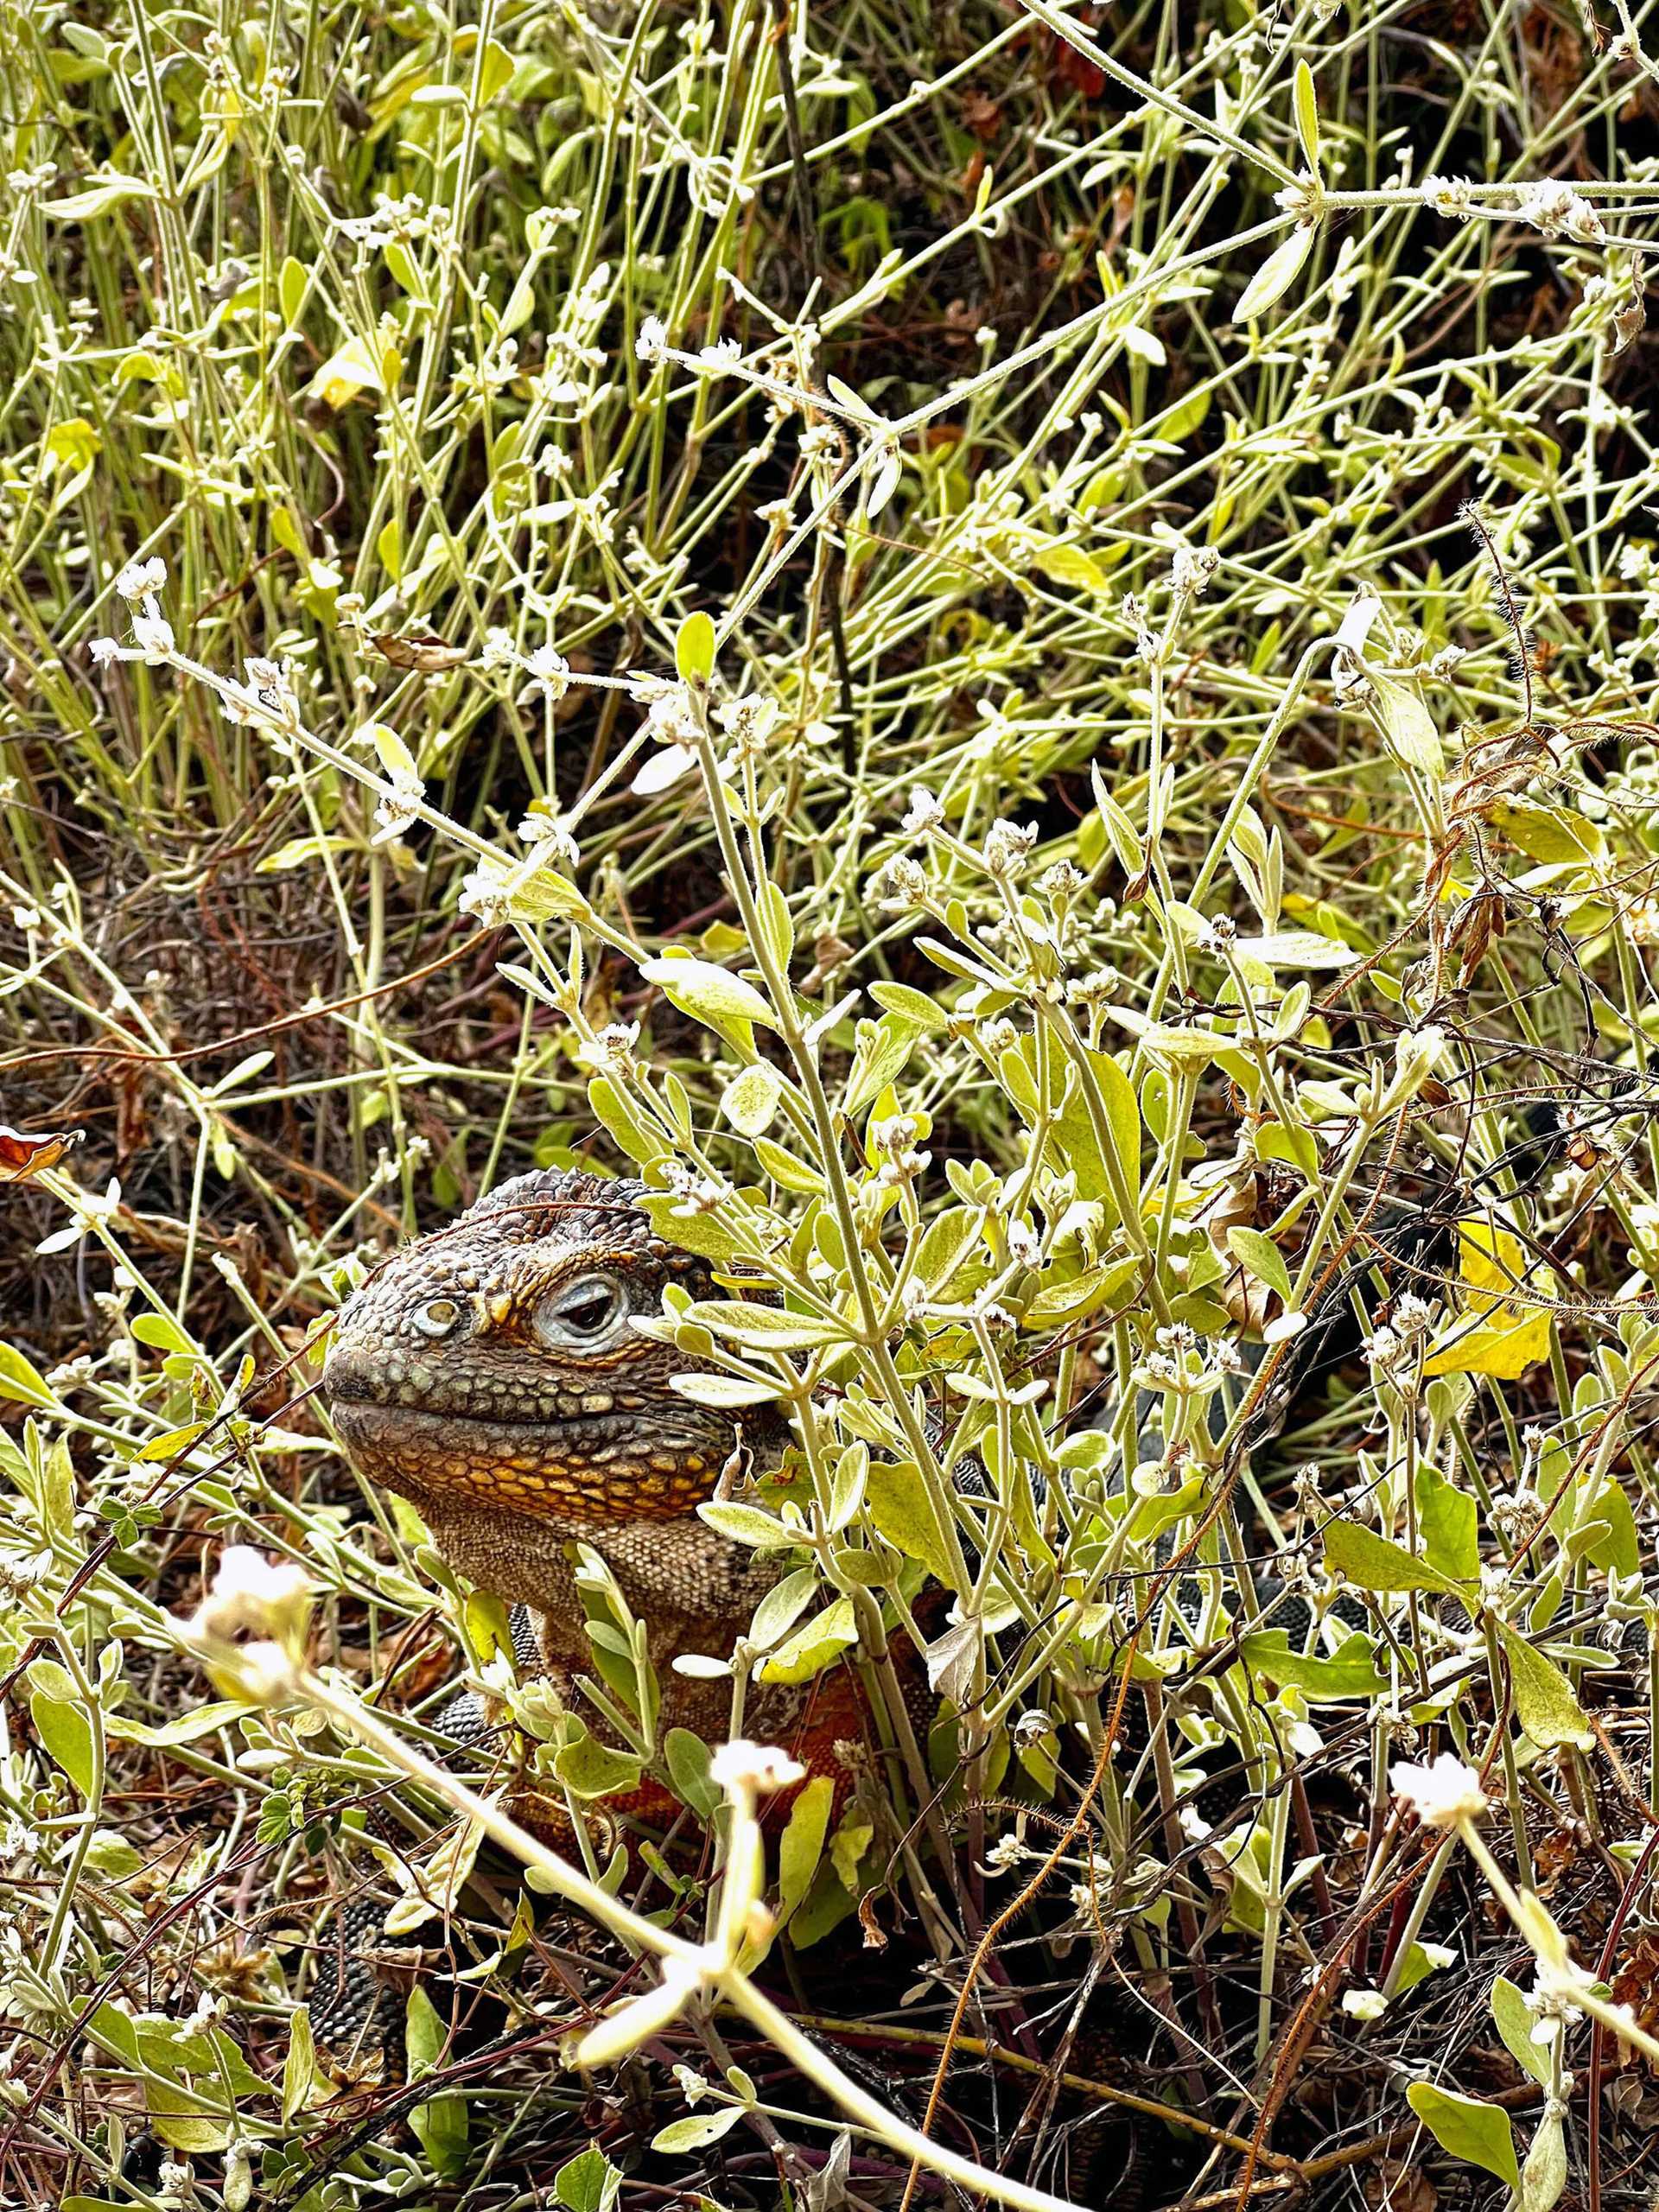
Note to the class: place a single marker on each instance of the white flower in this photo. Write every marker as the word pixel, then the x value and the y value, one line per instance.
pixel 749 723
pixel 142 579
pixel 1447 195
pixel 652 340
pixel 399 807
pixel 694 1194
pixel 1193 569
pixel 1025 1246
pixel 1007 844
pixel 744 1768
pixel 268 1597
pixel 899 885
pixel 550 672
pixel 671 717
pixel 1441 1795
pixel 498 650
pixel 89 1209
pixel 924 813
pixel 104 651
pixel 1554 208
pixel 269 686
pixel 483 893
pixel 610 1052
pixel 557 845
pixel 152 633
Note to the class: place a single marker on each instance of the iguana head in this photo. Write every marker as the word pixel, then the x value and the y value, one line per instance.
pixel 494 1366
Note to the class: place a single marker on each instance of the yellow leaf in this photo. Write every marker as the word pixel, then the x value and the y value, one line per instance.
pixel 1492 1335
pixel 355 368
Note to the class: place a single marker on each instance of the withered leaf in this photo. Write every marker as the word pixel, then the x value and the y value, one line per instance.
pixel 22 1156
pixel 431 656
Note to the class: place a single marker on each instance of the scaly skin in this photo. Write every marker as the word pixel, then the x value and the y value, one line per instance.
pixel 490 1375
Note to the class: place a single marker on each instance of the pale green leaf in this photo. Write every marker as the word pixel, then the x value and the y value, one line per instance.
pixel 1468 2128
pixel 1307 117
pixel 801 1846
pixel 1544 1700
pixel 1371 1562
pixel 1276 275
pixel 694 649
pixel 708 992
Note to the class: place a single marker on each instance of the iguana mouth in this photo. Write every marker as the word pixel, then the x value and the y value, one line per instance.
pixel 588 1468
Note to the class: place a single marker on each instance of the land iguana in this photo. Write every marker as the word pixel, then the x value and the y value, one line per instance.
pixel 491 1375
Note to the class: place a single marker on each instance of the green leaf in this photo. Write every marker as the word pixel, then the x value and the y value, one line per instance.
pixel 1516 2022
pixel 1620 1546
pixel 913 1007
pixel 722 1391
pixel 1544 2175
pixel 750 1100
pixel 748 1524
pixel 696 2129
pixel 688 1761
pixel 1447 1522
pixel 405 272
pixel 299 2065
pixel 801 1846
pixel 183 1728
pixel 495 72
pixel 1074 1143
pixel 161 1332
pixel 1276 275
pixel 1306 104
pixel 696 1232
pixel 98 199
pixel 1554 835
pixel 813 1647
pixel 1350 1671
pixel 588 2183
pixel 1407 724
pixel 770 1328
pixel 1064 564
pixel 111 1856
pixel 174 1441
pixel 1262 1257
pixel 21 1379
pixel 898 1504
pixel 881 1051
pixel 1468 2128
pixel 786 1170
pixel 184 2120
pixel 1548 1710
pixel 615 1112
pixel 291 283
pixel 440 2127
pixel 1371 1562
pixel 66 1731
pixel 694 649
pixel 591 1768
pixel 708 992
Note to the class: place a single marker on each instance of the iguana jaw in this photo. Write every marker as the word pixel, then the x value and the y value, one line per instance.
pixel 583 1470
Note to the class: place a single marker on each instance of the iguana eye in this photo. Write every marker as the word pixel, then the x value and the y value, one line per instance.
pixel 582 1312
pixel 438 1317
